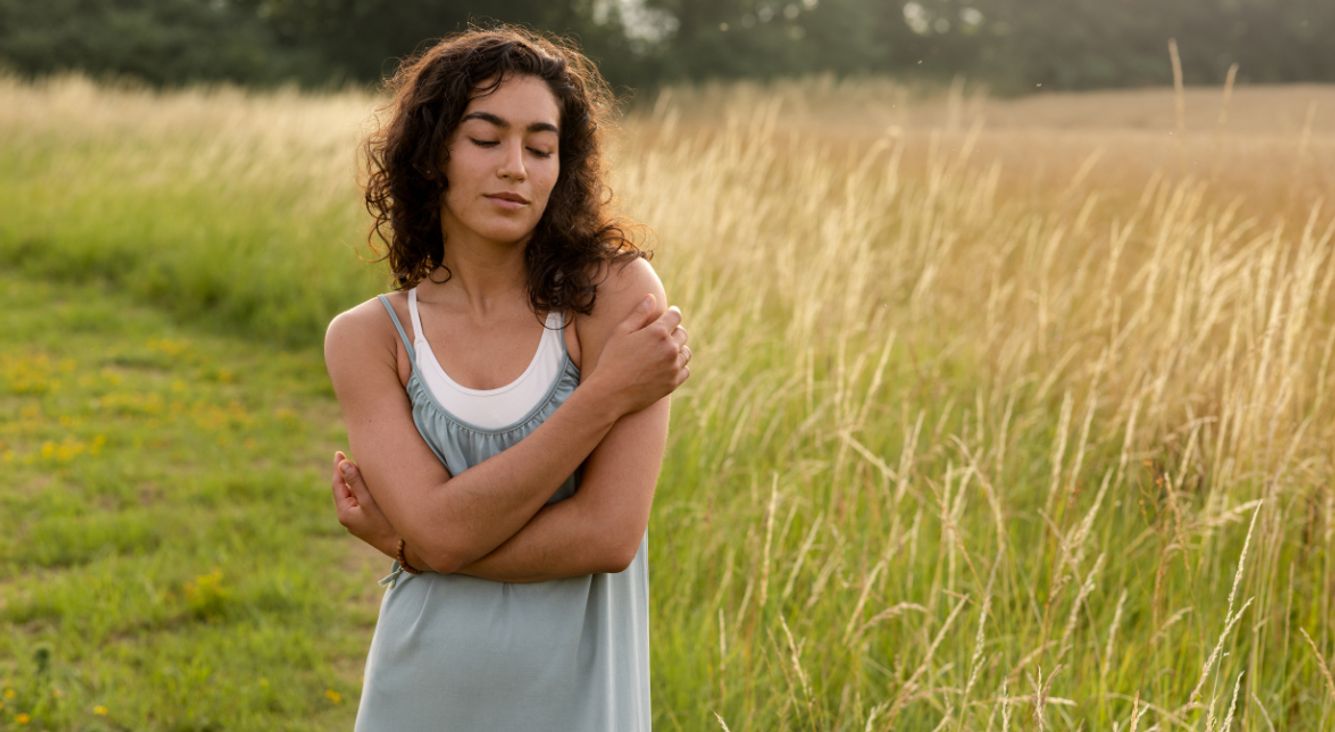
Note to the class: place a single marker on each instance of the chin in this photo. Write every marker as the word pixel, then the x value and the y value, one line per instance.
pixel 505 231
pixel 506 235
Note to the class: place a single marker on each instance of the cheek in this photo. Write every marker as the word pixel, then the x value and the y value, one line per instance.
pixel 462 182
pixel 464 165
pixel 550 176
pixel 455 191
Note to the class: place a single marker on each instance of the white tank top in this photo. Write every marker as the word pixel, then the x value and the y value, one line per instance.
pixel 504 405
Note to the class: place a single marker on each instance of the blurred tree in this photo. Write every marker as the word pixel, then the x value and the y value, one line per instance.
pixel 1275 41
pixel 267 41
pixel 1014 44
pixel 363 40
pixel 167 41
pixel 1090 43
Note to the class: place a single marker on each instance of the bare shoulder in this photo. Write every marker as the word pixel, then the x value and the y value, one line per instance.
pixel 626 280
pixel 621 286
pixel 358 335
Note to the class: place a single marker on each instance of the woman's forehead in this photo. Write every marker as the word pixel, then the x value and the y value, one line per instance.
pixel 521 100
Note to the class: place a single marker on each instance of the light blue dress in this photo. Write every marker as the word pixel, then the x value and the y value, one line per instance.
pixel 462 654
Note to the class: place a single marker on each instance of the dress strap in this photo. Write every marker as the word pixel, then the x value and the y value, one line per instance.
pixel 412 313
pixel 412 355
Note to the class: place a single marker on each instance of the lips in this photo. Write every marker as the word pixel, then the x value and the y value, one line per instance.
pixel 513 197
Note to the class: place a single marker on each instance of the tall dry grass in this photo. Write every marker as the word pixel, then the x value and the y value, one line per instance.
pixel 1029 421
pixel 1004 414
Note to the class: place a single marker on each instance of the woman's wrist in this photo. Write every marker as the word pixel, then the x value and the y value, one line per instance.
pixel 387 544
pixel 600 402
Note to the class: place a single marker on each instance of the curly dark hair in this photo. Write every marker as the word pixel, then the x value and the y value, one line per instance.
pixel 407 154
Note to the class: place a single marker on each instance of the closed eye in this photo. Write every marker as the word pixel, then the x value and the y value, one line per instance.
pixel 494 143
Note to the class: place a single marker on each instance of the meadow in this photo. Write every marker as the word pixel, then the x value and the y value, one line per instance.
pixel 1004 414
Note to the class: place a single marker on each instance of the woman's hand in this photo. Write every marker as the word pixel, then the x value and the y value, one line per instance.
pixel 644 359
pixel 357 509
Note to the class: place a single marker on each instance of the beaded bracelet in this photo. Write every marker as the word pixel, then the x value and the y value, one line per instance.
pixel 403 561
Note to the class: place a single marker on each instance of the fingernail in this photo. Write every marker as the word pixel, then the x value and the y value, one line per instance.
pixel 347 470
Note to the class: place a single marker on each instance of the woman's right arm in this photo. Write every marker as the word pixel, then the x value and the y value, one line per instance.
pixel 451 521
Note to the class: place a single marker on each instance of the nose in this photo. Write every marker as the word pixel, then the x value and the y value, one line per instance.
pixel 512 164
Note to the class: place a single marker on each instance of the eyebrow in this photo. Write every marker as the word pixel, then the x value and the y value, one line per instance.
pixel 489 117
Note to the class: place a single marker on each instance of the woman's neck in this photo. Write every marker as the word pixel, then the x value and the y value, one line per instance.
pixel 487 278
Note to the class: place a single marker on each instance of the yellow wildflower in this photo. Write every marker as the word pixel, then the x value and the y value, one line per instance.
pixel 100 710
pixel 10 693
pixel 333 696
pixel 22 718
pixel 168 346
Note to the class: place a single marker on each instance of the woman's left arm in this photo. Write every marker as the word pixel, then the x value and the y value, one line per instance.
pixel 600 527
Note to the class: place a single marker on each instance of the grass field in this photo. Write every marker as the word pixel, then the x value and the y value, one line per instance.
pixel 1004 414
pixel 164 532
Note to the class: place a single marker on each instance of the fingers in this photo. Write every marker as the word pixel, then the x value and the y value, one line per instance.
pixel 670 319
pixel 642 316
pixel 343 498
pixel 355 484
pixel 679 336
pixel 643 312
pixel 683 357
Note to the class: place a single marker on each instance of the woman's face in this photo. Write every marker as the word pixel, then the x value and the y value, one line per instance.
pixel 503 162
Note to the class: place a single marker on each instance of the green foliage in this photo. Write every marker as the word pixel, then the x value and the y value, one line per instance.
pixel 1014 45
pixel 163 42
pixel 265 42
pixel 1087 43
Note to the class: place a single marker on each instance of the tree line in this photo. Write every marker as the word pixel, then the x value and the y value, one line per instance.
pixel 1013 45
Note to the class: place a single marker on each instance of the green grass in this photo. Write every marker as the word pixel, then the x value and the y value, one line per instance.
pixel 146 237
pixel 167 545
pixel 244 235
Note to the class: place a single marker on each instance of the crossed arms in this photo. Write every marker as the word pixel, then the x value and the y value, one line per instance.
pixel 490 521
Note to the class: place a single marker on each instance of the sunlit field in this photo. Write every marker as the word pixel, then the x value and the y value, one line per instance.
pixel 1004 414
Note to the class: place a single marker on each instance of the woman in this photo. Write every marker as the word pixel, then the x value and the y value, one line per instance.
pixel 511 484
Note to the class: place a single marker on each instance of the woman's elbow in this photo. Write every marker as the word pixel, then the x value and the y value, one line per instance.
pixel 443 565
pixel 445 558
pixel 620 553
